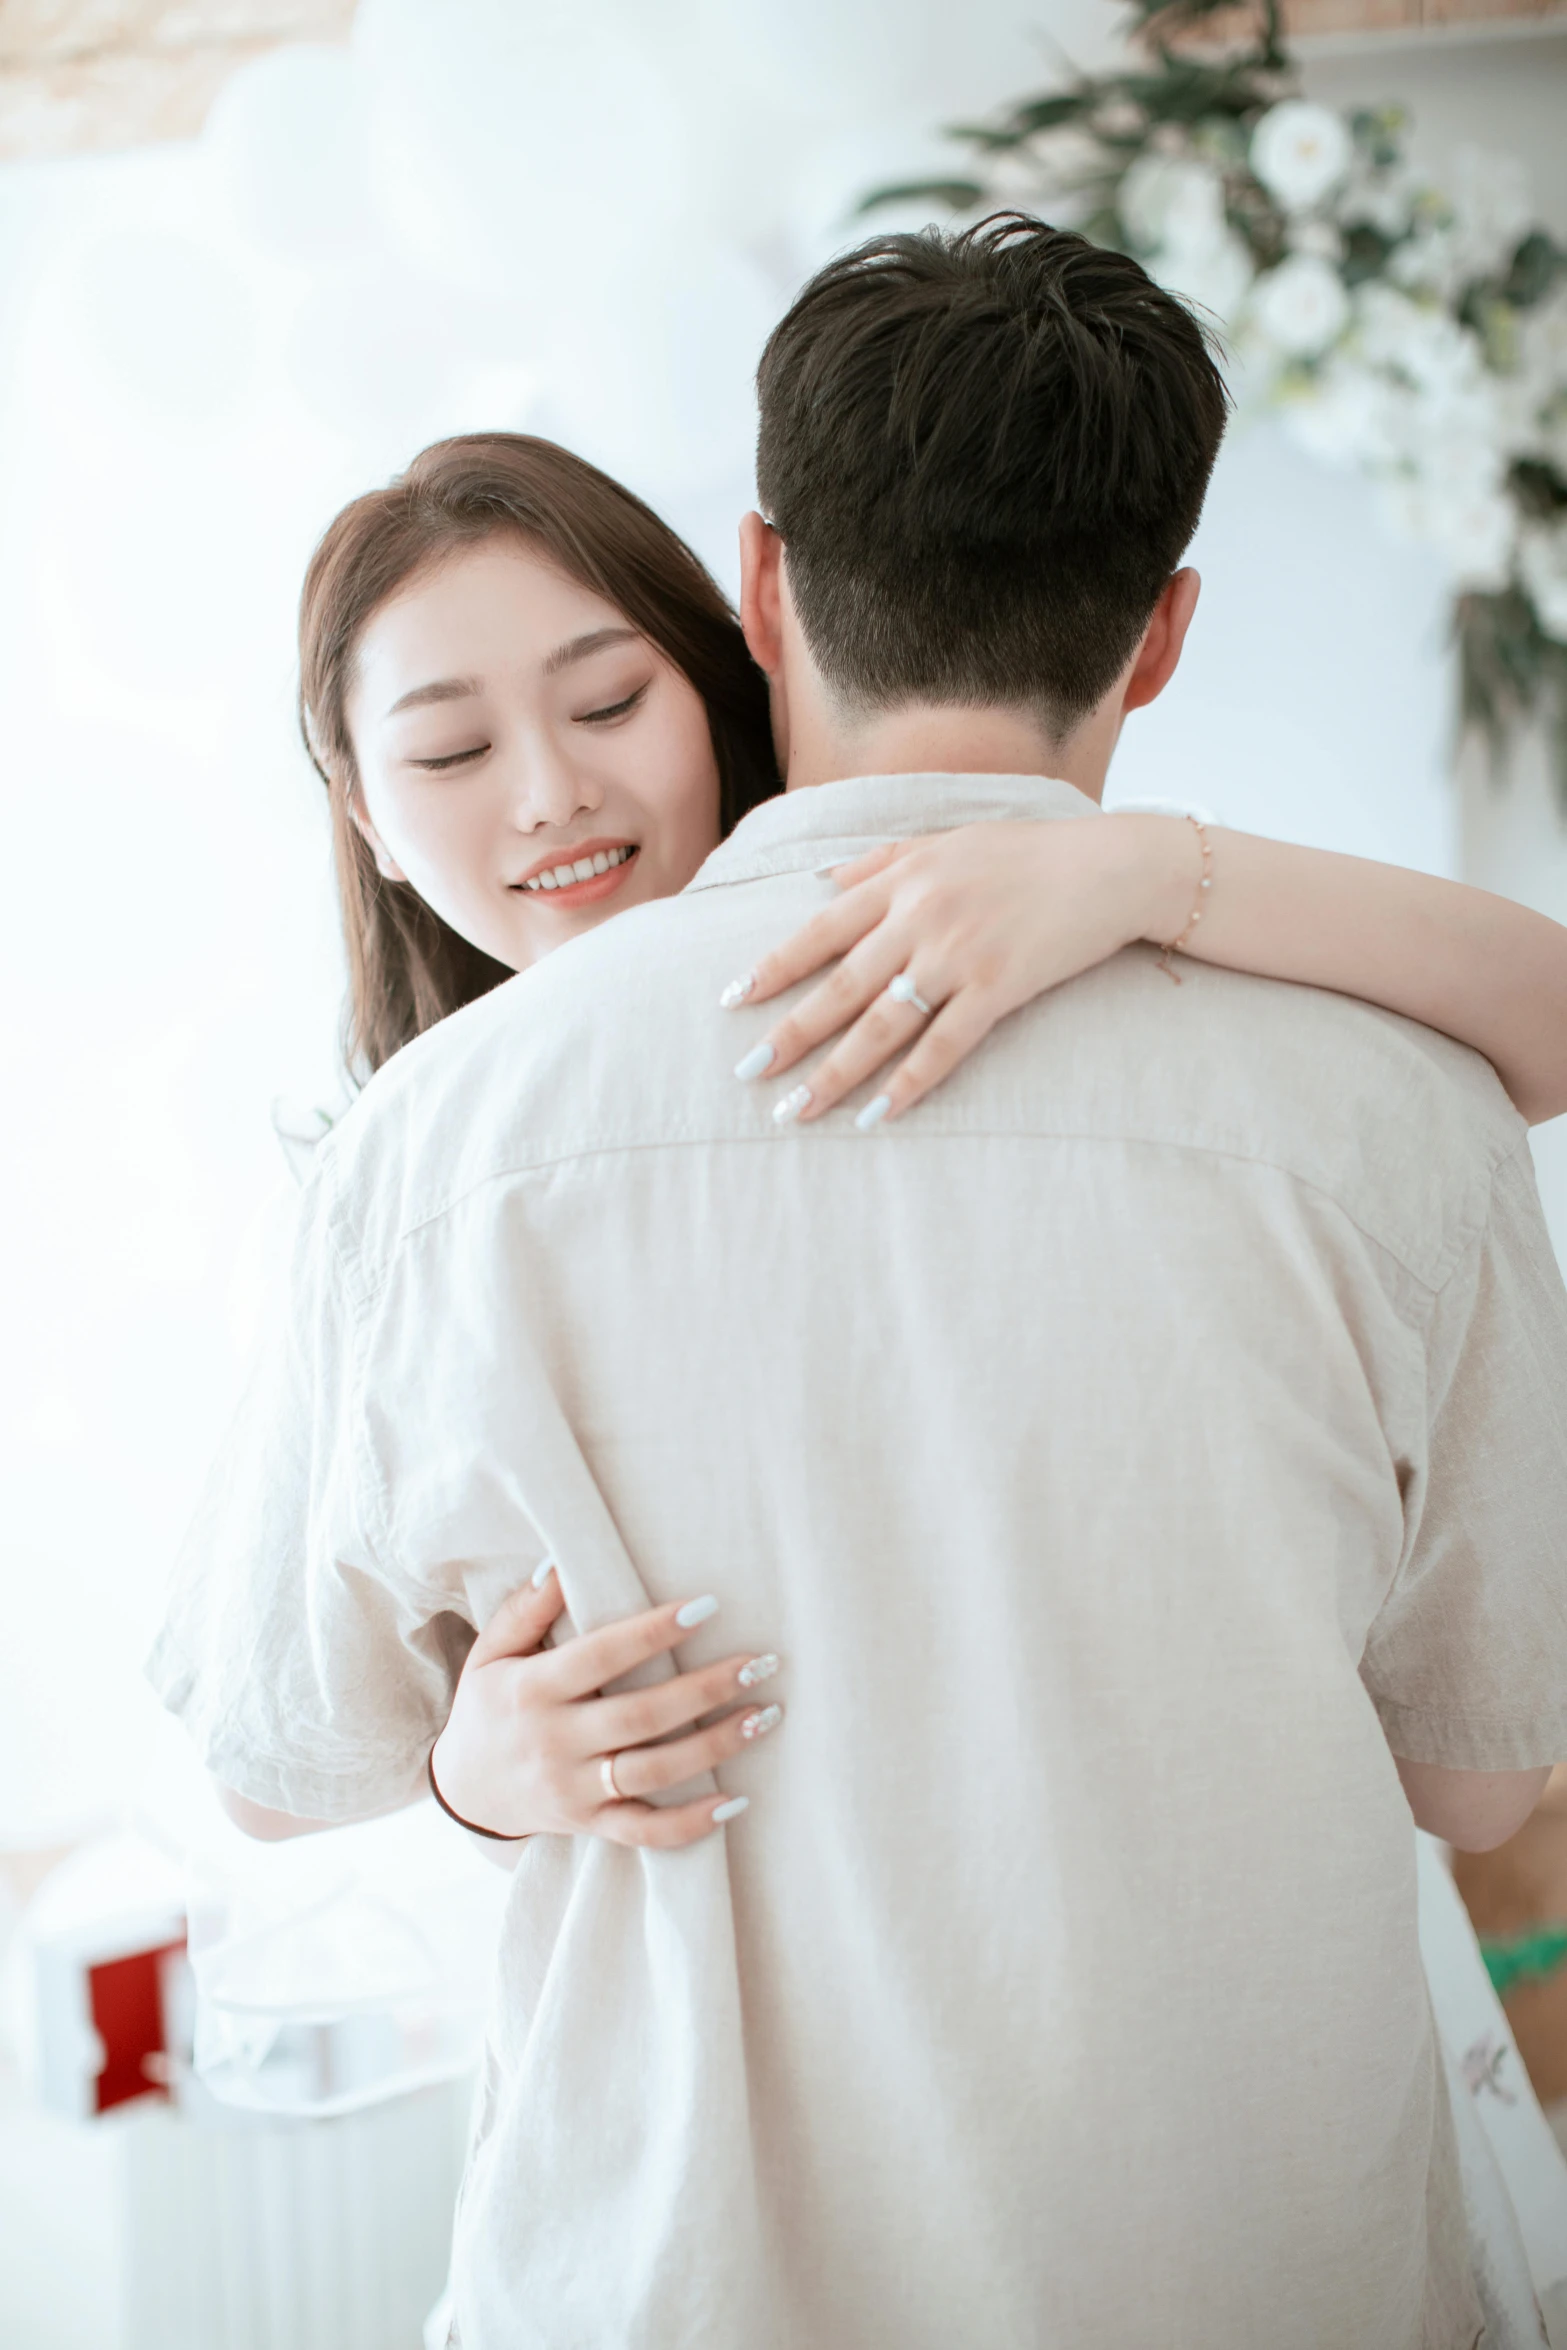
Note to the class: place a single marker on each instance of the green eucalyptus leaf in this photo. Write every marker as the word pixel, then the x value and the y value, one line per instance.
pixel 957 195
pixel 1378 132
pixel 1509 669
pixel 1534 270
pixel 1538 487
pixel 1050 113
pixel 1365 253
pixel 1496 323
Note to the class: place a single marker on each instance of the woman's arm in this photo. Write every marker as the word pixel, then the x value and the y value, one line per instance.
pixel 985 918
pixel 1474 1811
pixel 259 1821
pixel 1480 968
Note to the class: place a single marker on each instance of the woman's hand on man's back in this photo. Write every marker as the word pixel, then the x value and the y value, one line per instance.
pixel 531 1728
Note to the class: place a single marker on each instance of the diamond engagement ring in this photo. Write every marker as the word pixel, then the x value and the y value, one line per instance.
pixel 903 991
pixel 612 1793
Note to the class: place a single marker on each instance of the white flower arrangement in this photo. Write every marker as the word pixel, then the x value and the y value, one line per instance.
pixel 1411 328
pixel 1300 153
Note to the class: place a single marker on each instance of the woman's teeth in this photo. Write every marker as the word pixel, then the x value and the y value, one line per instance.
pixel 566 876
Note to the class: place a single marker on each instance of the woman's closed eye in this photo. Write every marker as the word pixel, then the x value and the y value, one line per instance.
pixel 609 711
pixel 451 759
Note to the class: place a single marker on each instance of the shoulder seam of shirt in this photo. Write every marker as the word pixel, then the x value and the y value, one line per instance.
pixel 1433 1283
pixel 1500 1165
pixel 358 1298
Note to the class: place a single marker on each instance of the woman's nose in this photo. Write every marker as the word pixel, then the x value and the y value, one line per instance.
pixel 546 788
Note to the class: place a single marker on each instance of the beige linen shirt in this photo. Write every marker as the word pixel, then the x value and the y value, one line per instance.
pixel 1115 1448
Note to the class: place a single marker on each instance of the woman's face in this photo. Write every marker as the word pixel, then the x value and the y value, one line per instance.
pixel 527 762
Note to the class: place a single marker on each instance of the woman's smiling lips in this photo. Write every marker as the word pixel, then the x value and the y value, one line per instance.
pixel 607 861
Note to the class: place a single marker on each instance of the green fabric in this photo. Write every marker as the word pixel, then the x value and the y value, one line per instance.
pixel 1523 1958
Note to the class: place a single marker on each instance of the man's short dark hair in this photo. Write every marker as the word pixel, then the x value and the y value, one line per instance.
pixel 986 454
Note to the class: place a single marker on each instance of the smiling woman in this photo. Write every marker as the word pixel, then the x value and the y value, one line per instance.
pixel 573 762
pixel 527 699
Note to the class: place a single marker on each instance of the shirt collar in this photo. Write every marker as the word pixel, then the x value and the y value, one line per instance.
pixel 825 824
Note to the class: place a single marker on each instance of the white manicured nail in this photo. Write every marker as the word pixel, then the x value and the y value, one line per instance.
pixel 696 1611
pixel 786 1111
pixel 874 1112
pixel 732 1809
pixel 759 1058
pixel 757 1725
pixel 736 992
pixel 542 1573
pixel 760 1668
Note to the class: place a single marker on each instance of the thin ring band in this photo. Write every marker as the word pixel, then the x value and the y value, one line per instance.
pixel 903 991
pixel 612 1793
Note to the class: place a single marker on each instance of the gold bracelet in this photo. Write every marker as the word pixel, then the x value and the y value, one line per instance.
pixel 1173 946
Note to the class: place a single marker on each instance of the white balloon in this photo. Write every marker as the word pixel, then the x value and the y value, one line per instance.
pixel 384 353
pixel 515 143
pixel 659 387
pixel 285 142
pixel 170 323
pixel 743 123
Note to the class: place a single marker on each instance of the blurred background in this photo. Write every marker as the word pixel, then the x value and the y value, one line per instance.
pixel 254 254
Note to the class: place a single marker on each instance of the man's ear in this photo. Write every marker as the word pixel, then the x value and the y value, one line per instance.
pixel 385 864
pixel 1163 638
pixel 761 594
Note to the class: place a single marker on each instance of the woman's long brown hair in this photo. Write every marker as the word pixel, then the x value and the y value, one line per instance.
pixel 406 967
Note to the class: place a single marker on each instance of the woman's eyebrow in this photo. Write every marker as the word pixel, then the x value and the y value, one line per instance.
pixel 457 689
pixel 578 648
pixel 442 689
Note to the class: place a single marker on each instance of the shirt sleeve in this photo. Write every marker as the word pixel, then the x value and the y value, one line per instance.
pixel 1466 1661
pixel 311 1678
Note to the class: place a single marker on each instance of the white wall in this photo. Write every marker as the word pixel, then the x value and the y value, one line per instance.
pixel 205 350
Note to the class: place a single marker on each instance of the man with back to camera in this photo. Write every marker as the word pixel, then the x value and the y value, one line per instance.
pixel 1132 1450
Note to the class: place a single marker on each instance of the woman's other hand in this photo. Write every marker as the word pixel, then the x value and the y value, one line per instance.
pixel 523 1752
pixel 982 920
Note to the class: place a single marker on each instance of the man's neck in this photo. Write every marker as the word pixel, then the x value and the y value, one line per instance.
pixel 938 739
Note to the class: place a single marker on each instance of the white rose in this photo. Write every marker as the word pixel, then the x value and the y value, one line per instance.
pixel 1170 204
pixel 1491 210
pixel 1385 199
pixel 1453 455
pixel 1343 417
pixel 1417 340
pixel 1542 564
pixel 1301 306
pixel 1474 530
pixel 1521 418
pixel 1216 280
pixel 1385 319
pixel 1543 336
pixel 1429 262
pixel 1468 231
pixel 1300 151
